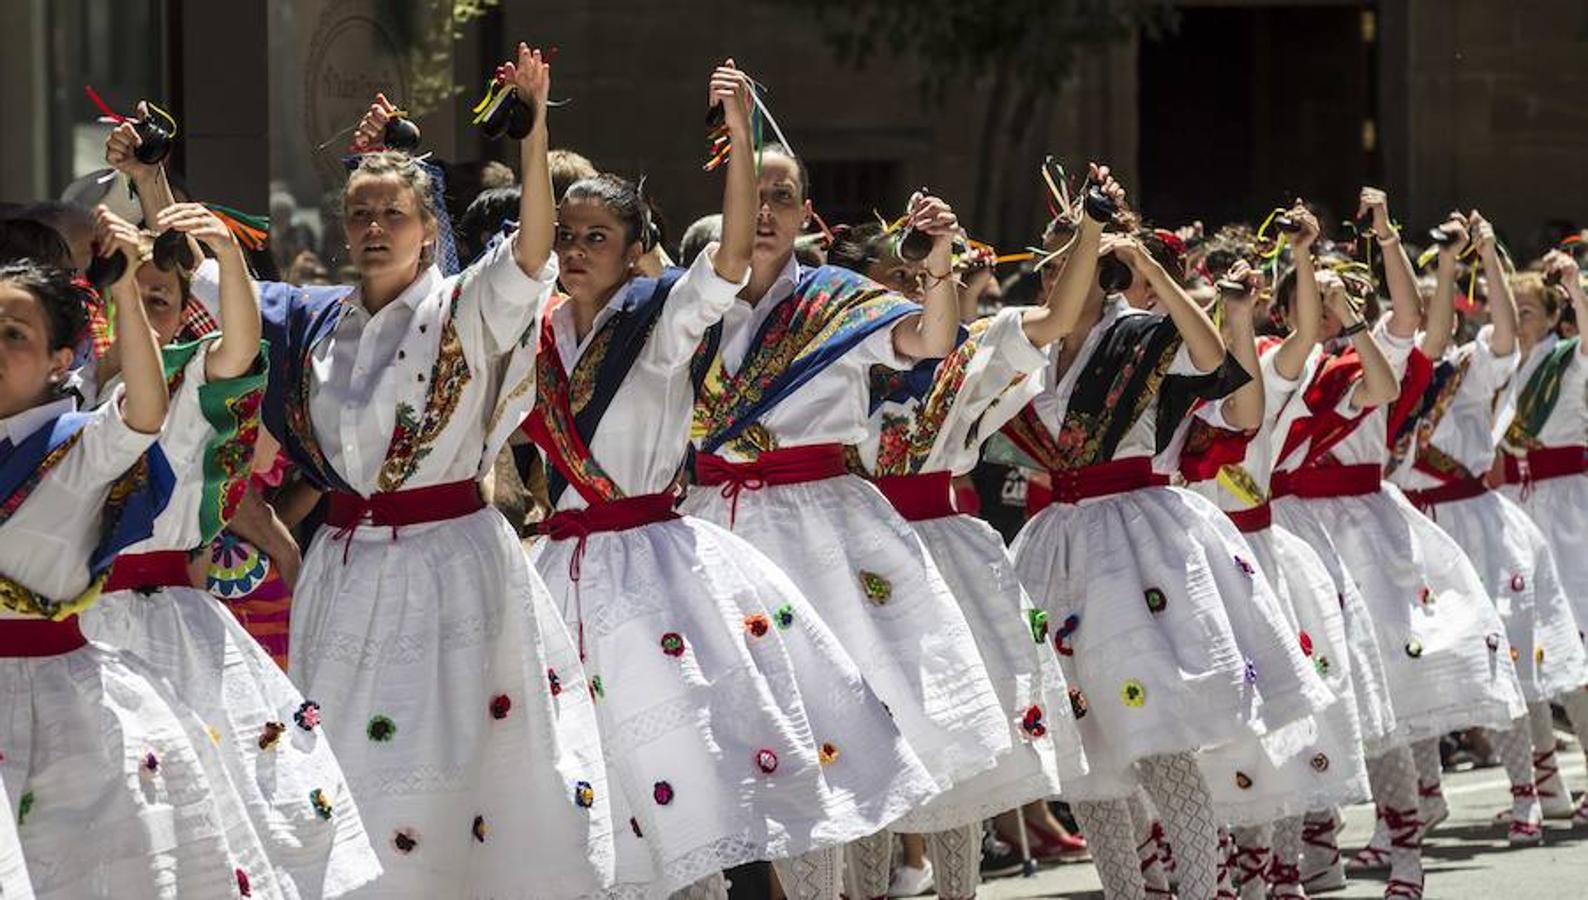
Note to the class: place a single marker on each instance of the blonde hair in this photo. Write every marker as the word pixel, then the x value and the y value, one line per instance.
pixel 1551 296
pixel 407 170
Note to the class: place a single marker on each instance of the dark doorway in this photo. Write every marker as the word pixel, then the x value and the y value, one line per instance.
pixel 1243 109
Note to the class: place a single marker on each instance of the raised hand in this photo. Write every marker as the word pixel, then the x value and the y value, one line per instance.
pixel 933 216
pixel 371 130
pixel 1251 281
pixel 530 73
pixel 1481 233
pixel 1455 227
pixel 121 145
pixel 734 92
pixel 196 220
pixel 1375 202
pixel 1307 229
pixel 112 233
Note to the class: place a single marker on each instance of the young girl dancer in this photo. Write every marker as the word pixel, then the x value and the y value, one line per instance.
pixel 735 726
pixel 1542 426
pixel 150 606
pixel 784 392
pixel 421 637
pixel 1142 578
pixel 1442 452
pixel 1433 621
pixel 117 787
pixel 1227 459
pixel 917 445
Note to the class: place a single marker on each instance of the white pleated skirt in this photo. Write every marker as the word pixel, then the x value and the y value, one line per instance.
pixel 432 651
pixel 1167 629
pixel 1025 673
pixel 1444 648
pixel 735 726
pixel 1317 763
pixel 1559 507
pixel 873 583
pixel 232 684
pixel 1518 569
pixel 118 790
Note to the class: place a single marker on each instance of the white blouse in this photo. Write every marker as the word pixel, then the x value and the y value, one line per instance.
pixel 374 366
pixel 995 389
pixel 1140 438
pixel 1568 421
pixel 1465 433
pixel 833 406
pixel 1279 393
pixel 645 431
pixel 1367 442
pixel 47 543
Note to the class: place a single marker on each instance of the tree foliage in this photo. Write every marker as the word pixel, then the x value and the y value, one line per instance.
pixel 953 40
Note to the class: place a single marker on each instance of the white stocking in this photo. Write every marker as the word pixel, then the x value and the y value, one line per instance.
pixel 1176 787
pixel 1107 827
pixel 813 876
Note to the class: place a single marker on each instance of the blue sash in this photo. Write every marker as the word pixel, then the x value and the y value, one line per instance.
pixel 295 319
pixel 136 499
pixel 610 356
pixel 830 312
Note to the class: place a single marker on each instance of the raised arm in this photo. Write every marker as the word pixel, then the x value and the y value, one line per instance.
pixel 732 89
pixel 1398 273
pixel 234 355
pixel 1559 265
pixel 1244 408
pixel 1202 340
pixel 143 407
pixel 1306 315
pixel 154 189
pixel 537 210
pixel 931 335
pixel 1441 318
pixel 1060 309
pixel 1502 302
pixel 1379 384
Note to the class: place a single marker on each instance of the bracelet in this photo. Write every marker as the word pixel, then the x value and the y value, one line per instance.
pixel 1354 329
pixel 1394 236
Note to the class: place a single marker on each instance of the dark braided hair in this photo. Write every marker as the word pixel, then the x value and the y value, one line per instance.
pixel 64 301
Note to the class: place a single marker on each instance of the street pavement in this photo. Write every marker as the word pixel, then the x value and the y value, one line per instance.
pixel 1466 857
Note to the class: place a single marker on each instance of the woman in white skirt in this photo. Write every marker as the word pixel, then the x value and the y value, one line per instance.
pixel 918 443
pixel 426 645
pixel 1435 625
pixel 1163 620
pixel 1320 763
pixel 784 392
pixel 735 726
pixel 1442 452
pixel 115 787
pixel 150 606
pixel 1542 428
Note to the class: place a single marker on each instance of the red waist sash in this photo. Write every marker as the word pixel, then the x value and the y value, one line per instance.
pixel 436 503
pixel 795 465
pixel 1545 463
pixel 145 571
pixel 1449 492
pixel 1327 481
pixel 1102 480
pixel 1255 519
pixel 39 637
pixel 928 495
